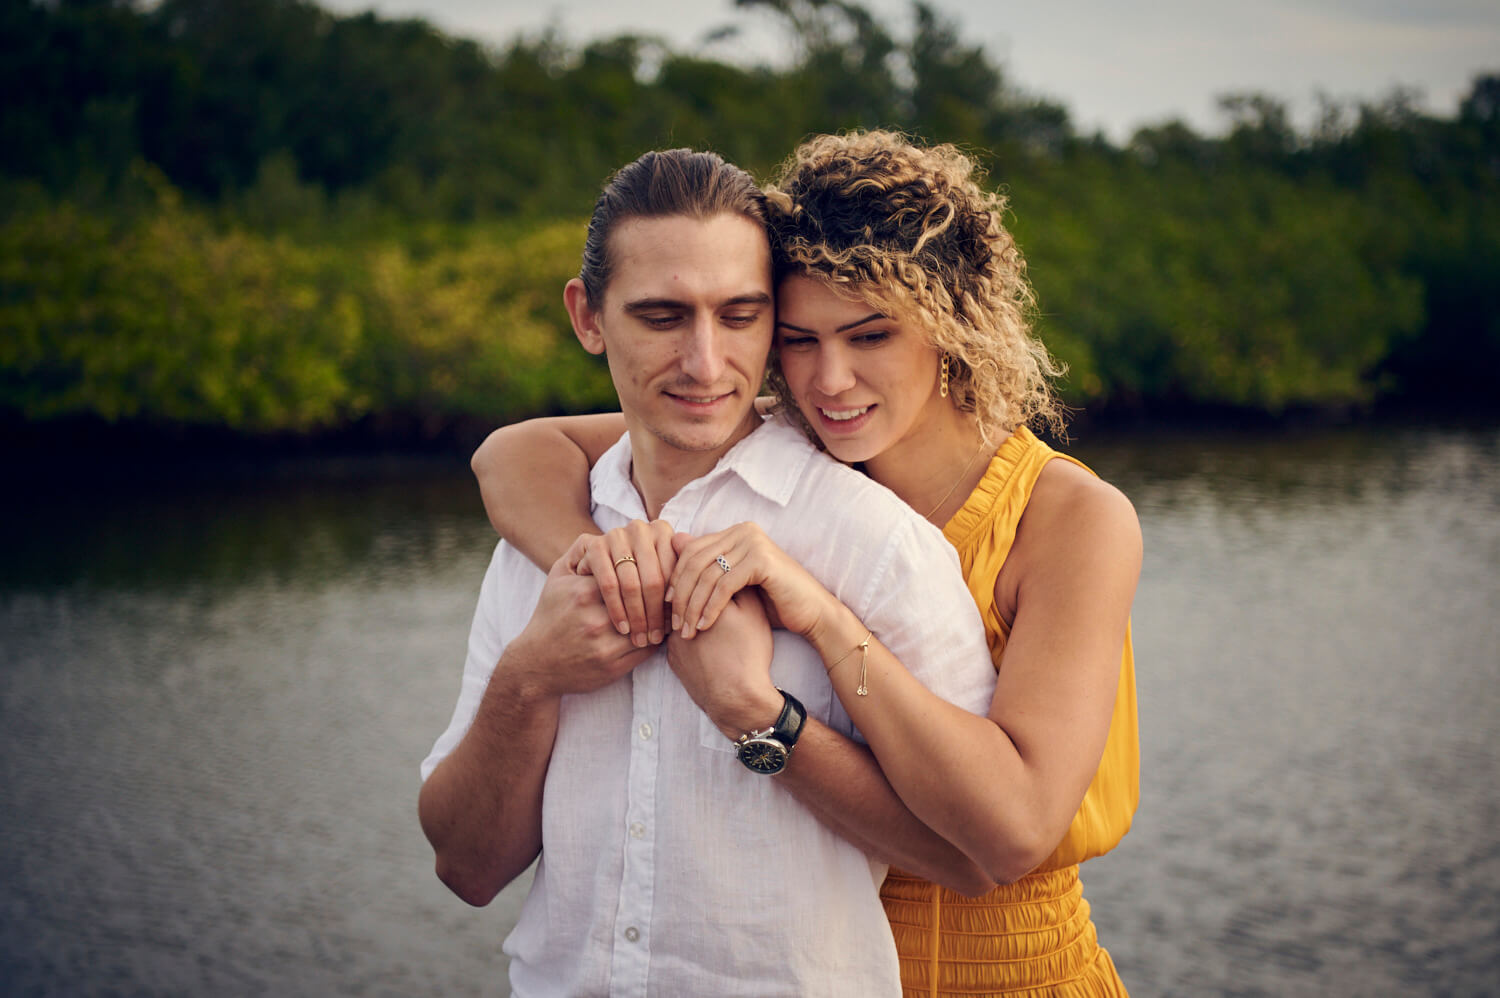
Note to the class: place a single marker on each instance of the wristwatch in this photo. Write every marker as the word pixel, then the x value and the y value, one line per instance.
pixel 766 752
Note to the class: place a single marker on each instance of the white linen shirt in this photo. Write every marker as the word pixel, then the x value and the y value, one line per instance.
pixel 667 867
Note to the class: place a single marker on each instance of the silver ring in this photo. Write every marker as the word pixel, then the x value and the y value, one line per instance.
pixel 723 563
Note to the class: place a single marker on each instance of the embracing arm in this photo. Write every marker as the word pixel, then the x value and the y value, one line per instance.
pixel 534 478
pixel 840 781
pixel 1010 782
pixel 1014 780
pixel 726 669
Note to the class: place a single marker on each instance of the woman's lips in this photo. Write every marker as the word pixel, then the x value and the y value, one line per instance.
pixel 843 419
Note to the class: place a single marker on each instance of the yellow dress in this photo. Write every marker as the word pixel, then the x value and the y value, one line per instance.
pixel 1033 937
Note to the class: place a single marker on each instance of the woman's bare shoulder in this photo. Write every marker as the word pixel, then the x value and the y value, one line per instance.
pixel 1072 508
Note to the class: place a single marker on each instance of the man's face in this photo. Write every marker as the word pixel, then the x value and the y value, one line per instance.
pixel 686 324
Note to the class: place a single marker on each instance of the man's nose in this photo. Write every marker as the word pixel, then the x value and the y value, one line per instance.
pixel 703 352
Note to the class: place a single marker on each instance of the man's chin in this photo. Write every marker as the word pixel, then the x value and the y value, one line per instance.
pixel 696 442
pixel 702 436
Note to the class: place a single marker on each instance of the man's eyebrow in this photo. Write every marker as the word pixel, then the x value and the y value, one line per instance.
pixel 752 298
pixel 848 325
pixel 650 304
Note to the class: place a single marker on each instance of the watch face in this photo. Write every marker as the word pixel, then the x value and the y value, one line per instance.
pixel 762 755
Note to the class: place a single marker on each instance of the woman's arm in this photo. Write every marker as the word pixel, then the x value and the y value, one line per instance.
pixel 1013 780
pixel 534 478
pixel 840 781
pixel 727 671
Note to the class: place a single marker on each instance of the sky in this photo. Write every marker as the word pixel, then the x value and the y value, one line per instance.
pixel 1115 66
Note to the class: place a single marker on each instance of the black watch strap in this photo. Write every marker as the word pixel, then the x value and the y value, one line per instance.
pixel 789 722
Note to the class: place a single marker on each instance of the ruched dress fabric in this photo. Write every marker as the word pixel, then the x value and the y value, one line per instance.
pixel 1033 937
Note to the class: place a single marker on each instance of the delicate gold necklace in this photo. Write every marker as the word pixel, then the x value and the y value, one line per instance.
pixel 983 445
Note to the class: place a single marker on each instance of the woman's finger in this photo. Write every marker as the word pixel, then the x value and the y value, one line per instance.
pixel 645 561
pixel 721 574
pixel 628 573
pixel 599 562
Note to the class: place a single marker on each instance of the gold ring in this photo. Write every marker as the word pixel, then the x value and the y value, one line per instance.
pixel 623 559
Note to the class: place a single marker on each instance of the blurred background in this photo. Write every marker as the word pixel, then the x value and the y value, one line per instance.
pixel 269 270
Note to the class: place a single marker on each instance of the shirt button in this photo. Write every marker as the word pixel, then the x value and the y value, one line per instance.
pixel 637 830
pixel 632 934
pixel 645 730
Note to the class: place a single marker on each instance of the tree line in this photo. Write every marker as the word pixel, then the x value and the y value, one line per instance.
pixel 263 216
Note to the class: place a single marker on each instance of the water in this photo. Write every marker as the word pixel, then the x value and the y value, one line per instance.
pixel 214 693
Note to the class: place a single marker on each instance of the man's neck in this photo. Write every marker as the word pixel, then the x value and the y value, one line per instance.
pixel 659 470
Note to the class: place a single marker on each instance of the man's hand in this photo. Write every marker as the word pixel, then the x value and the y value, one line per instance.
pixel 727 668
pixel 570 644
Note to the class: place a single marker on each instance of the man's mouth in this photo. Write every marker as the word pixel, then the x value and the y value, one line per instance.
pixel 699 399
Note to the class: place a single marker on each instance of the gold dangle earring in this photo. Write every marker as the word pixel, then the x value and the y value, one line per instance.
pixel 943 377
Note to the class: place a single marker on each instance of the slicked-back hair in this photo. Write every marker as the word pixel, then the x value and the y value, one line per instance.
pixel 661 183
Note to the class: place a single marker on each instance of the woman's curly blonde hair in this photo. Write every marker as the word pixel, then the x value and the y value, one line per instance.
pixel 906 229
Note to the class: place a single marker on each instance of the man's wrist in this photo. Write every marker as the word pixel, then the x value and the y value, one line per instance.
pixel 755 712
pixel 518 681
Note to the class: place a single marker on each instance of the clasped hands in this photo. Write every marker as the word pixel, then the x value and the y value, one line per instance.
pixel 653 585
pixel 650 576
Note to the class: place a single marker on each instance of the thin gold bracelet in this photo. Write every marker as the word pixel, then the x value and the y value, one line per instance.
pixel 864 656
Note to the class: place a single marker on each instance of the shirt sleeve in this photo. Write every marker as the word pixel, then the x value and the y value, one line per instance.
pixel 920 608
pixel 507 597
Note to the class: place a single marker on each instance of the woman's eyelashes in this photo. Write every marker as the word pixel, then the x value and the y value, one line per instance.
pixel 874 337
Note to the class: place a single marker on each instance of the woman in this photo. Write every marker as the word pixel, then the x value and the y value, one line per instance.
pixel 903 344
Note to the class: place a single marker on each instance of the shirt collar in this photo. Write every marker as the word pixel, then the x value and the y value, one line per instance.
pixel 770 460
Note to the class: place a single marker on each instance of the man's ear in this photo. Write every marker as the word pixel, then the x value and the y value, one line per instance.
pixel 585 319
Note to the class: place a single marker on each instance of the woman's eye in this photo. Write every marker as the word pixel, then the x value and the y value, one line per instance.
pixel 792 342
pixel 872 339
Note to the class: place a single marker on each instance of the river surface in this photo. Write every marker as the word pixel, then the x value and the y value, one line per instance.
pixel 215 688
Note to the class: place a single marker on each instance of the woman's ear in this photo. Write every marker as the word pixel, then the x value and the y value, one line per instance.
pixel 585 319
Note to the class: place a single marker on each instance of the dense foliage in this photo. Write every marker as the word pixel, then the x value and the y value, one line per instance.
pixel 258 215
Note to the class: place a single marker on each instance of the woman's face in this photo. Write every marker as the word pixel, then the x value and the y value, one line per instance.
pixel 864 381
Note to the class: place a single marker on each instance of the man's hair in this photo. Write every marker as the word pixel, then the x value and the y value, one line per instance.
pixel 664 182
pixel 907 229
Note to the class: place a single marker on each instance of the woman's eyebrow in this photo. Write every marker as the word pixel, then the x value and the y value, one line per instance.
pixel 848 325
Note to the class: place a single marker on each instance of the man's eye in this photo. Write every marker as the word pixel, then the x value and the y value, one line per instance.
pixel 659 321
pixel 741 318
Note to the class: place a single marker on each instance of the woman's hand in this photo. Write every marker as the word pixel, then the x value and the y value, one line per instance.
pixel 631 565
pixel 701 586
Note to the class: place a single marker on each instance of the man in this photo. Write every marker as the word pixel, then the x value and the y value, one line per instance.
pixel 673 859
